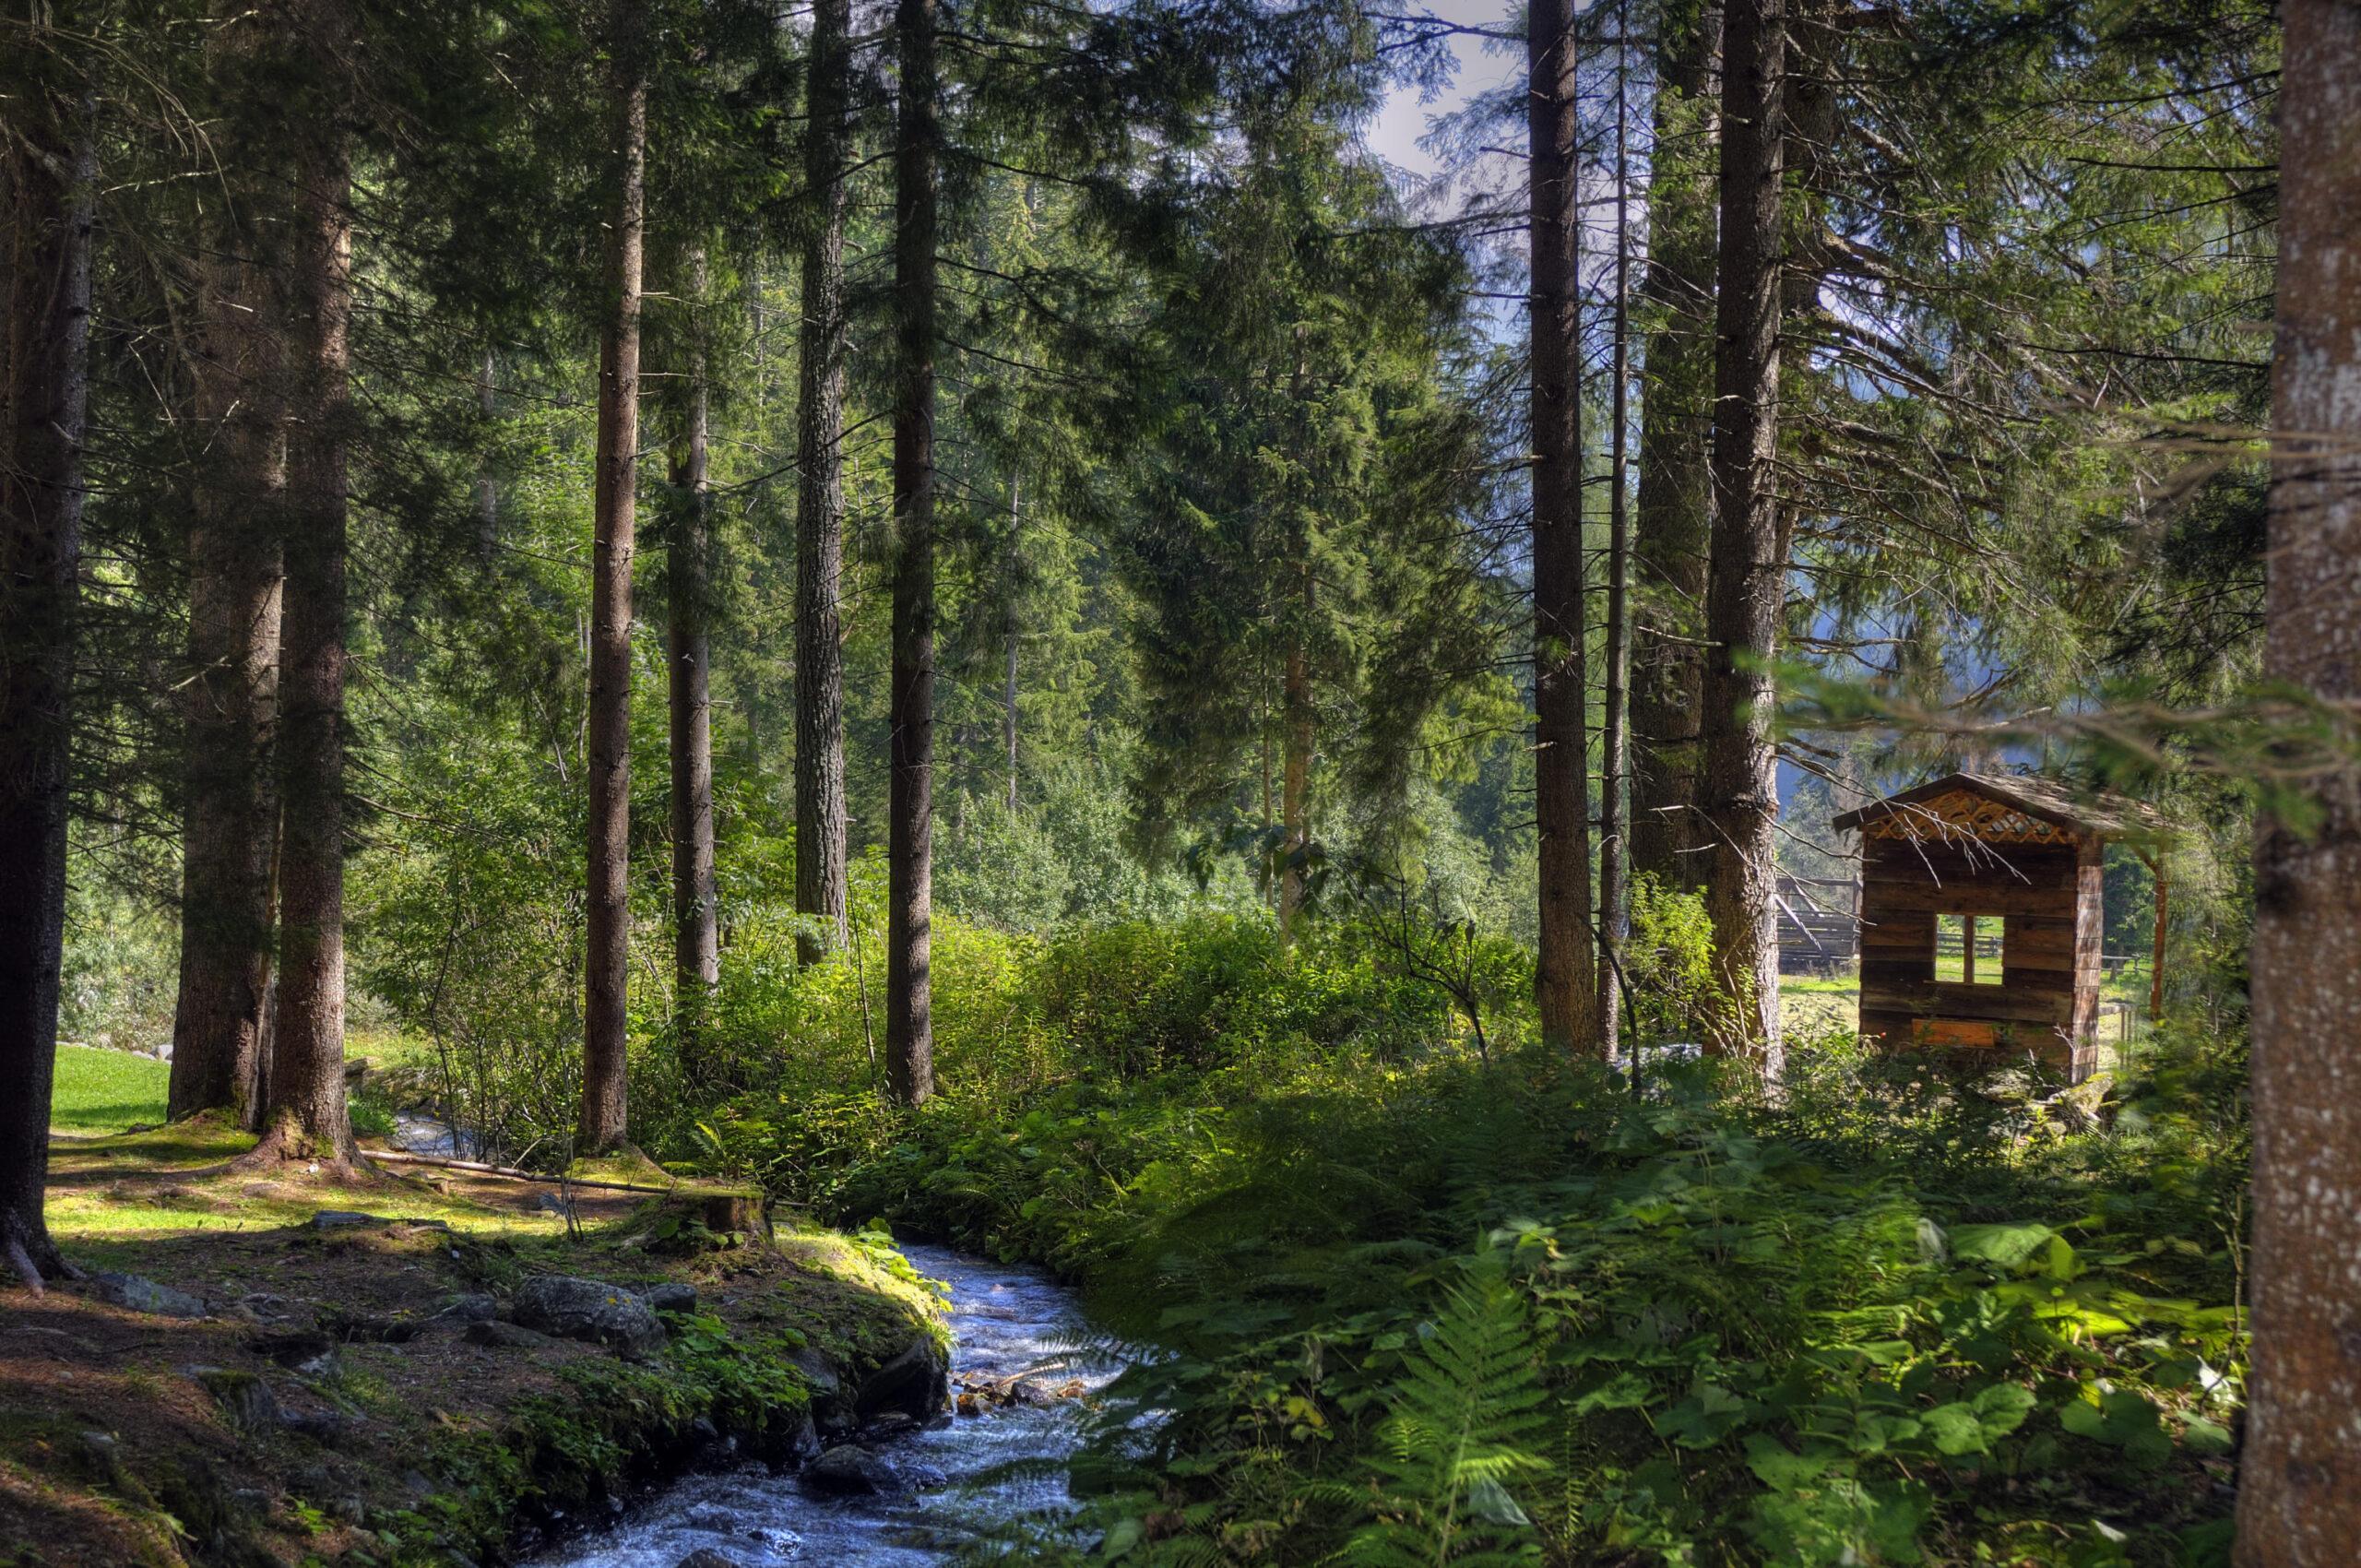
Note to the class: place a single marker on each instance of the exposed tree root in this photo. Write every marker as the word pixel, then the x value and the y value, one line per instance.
pixel 286 1144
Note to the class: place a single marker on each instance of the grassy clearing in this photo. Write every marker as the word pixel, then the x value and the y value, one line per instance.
pixel 97 1090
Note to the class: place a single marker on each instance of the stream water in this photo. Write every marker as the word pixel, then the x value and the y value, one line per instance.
pixel 955 1481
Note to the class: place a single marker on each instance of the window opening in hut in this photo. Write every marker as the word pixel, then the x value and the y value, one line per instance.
pixel 1968 948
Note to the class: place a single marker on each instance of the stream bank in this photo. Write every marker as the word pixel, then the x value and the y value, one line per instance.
pixel 281 1366
pixel 907 1495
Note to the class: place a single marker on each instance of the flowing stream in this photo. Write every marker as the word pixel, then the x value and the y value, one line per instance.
pixel 1006 1323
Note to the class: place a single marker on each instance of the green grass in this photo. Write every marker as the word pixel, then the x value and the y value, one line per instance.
pixel 106 1092
pixel 1816 1003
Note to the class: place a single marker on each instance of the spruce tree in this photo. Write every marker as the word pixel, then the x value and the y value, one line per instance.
pixel 1673 520
pixel 2299 1497
pixel 48 176
pixel 606 1012
pixel 1747 588
pixel 696 935
pixel 910 1024
pixel 820 824
pixel 1565 974
pixel 235 494
pixel 304 1113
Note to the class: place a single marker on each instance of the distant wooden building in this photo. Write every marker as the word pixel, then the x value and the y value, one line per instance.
pixel 1981 917
pixel 1819 933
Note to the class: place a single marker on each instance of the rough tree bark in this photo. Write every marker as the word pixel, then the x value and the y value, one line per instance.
pixel 1747 576
pixel 47 175
pixel 1008 714
pixel 1614 820
pixel 909 1028
pixel 607 965
pixel 696 931
pixel 230 700
pixel 1565 975
pixel 1674 517
pixel 303 1106
pixel 2300 1481
pixel 820 824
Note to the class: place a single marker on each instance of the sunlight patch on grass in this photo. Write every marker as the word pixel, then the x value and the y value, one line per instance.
pixel 1818 1004
pixel 96 1090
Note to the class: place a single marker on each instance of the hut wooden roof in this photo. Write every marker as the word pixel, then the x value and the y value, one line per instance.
pixel 2001 808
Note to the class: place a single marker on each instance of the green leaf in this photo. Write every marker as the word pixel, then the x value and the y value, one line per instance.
pixel 1969 1426
pixel 1708 1414
pixel 2202 1436
pixel 2021 1247
pixel 1626 1391
pixel 1781 1468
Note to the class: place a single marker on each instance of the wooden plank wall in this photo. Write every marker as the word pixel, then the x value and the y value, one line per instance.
pixel 2047 893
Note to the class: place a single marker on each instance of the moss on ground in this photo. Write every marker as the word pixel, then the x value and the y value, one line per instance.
pixel 138 1439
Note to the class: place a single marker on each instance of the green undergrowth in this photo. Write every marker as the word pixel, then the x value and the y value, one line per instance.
pixel 1420 1308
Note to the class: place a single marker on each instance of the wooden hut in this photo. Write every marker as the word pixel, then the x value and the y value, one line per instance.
pixel 1981 918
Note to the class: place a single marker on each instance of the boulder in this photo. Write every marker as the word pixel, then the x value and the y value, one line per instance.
pixel 831 1411
pixel 345 1219
pixel 494 1335
pixel 311 1353
pixel 146 1296
pixel 847 1471
pixel 675 1296
pixel 367 1328
pixel 817 1371
pixel 572 1308
pixel 916 1383
pixel 474 1307
pixel 326 1426
pixel 245 1398
pixel 705 1557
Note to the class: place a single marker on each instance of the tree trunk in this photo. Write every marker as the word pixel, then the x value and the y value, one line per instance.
pixel 820 506
pixel 696 935
pixel 1676 502
pixel 1614 827
pixel 49 169
pixel 1747 586
pixel 2300 1481
pixel 607 966
pixel 303 1110
pixel 1008 684
pixel 1295 770
pixel 487 484
pixel 231 701
pixel 909 1028
pixel 1565 975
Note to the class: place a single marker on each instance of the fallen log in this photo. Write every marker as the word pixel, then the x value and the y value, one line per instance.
pixel 478 1167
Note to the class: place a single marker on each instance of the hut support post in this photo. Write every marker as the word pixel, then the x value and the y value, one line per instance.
pixel 2156 963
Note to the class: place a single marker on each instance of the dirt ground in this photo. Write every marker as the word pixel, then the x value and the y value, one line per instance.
pixel 320 1396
